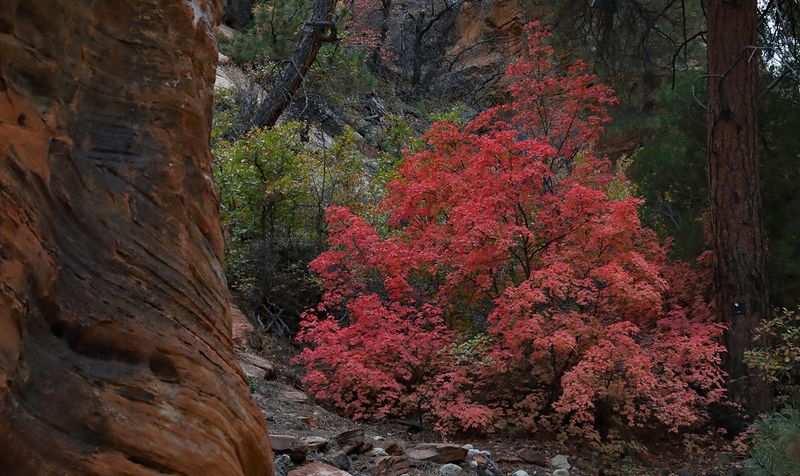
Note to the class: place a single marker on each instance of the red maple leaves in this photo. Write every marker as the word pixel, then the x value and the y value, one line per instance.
pixel 515 283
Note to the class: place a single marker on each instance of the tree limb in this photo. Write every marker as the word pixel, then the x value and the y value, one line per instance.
pixel 320 29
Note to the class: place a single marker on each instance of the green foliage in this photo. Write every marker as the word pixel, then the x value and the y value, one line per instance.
pixel 780 359
pixel 670 175
pixel 472 350
pixel 261 181
pixel 455 115
pixel 670 170
pixel 400 138
pixel 274 189
pixel 775 446
pixel 227 123
pixel 273 33
pixel 341 74
pixel 621 187
pixel 779 154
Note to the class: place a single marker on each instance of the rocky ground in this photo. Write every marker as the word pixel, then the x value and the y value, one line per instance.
pixel 309 440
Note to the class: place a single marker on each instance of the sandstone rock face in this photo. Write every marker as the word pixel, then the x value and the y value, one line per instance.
pixel 488 34
pixel 465 51
pixel 241 329
pixel 115 334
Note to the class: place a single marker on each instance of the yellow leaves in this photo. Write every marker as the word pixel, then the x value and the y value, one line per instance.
pixel 620 187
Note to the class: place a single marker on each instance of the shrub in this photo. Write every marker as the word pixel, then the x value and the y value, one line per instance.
pixel 274 189
pixel 511 225
pixel 780 360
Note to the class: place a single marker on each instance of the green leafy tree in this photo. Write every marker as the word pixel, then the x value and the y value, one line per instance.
pixel 274 189
pixel 272 34
pixel 780 360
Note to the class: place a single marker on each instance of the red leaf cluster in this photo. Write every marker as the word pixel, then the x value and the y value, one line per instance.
pixel 512 228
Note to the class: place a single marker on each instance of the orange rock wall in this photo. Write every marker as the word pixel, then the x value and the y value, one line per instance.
pixel 115 340
pixel 488 34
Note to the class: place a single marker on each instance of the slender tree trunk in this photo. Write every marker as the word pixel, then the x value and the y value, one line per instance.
pixel 312 37
pixel 737 239
pixel 417 65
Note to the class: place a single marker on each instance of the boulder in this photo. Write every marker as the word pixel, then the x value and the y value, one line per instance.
pixel 437 452
pixel 283 463
pixel 258 364
pixel 594 465
pixel 485 466
pixel 295 447
pixel 253 373
pixel 115 327
pixel 316 443
pixel 561 472
pixel 533 456
pixel 392 466
pixel 353 441
pixel 317 469
pixel 451 469
pixel 560 462
pixel 510 460
pixel 294 396
pixel 393 447
pixel 519 472
pixel 340 460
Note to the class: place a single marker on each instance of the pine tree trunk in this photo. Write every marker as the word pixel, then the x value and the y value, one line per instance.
pixel 737 239
pixel 290 80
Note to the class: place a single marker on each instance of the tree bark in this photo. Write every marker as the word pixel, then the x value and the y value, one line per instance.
pixel 737 238
pixel 311 39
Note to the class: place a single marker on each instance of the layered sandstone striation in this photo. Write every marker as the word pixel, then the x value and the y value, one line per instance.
pixel 115 334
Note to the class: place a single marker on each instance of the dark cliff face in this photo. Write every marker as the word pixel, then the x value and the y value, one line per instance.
pixel 458 50
pixel 115 351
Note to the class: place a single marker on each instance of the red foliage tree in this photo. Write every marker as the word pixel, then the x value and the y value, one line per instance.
pixel 515 226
